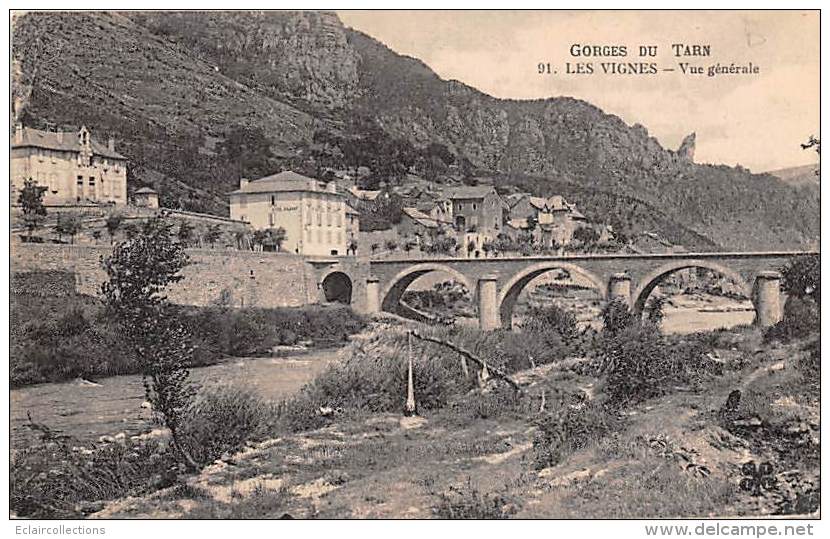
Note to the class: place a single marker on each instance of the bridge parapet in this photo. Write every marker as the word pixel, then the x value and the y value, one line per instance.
pixel 631 276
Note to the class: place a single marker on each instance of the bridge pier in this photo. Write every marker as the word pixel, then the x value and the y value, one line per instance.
pixel 488 309
pixel 372 295
pixel 767 298
pixel 619 287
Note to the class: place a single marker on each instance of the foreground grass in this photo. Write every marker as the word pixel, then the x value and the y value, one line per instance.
pixel 564 447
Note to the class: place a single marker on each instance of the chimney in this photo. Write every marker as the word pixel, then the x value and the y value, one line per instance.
pixel 18 133
pixel 243 182
pixel 111 144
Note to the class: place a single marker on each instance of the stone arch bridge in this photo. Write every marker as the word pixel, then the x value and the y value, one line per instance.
pixel 497 282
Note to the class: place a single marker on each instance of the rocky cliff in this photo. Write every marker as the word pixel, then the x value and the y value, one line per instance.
pixel 170 86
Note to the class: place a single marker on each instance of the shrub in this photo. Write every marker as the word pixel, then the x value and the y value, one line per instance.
pixel 467 502
pixel 638 364
pixel 54 479
pixel 616 317
pixel 569 429
pixel 221 419
pixel 802 278
pixel 553 325
pixel 373 378
pixel 801 318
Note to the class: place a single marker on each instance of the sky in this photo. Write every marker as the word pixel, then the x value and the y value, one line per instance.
pixel 756 120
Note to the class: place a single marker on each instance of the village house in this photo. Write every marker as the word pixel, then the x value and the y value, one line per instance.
pixel 552 221
pixel 312 213
pixel 417 224
pixel 74 167
pixel 478 216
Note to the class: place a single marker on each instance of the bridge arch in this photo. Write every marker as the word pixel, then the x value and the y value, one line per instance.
pixel 650 281
pixel 337 287
pixel 510 291
pixel 390 296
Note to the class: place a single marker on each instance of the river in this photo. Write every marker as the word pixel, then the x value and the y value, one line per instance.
pixel 111 405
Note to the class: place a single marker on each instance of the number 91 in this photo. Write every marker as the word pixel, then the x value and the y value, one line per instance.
pixel 543 68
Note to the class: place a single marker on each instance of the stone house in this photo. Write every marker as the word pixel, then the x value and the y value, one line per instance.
pixel 74 167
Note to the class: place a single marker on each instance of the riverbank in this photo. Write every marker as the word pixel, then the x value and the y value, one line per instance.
pixel 478 455
pixel 53 339
pixel 87 411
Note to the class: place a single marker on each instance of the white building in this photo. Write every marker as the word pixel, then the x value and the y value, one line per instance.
pixel 312 213
pixel 74 167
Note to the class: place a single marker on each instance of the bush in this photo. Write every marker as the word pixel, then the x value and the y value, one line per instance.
pixel 552 325
pixel 639 363
pixel 802 278
pixel 569 429
pixel 801 318
pixel 466 502
pixel 221 419
pixel 54 479
pixel 373 378
pixel 616 317
pixel 54 339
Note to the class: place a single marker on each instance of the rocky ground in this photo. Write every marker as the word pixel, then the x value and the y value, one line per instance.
pixel 684 454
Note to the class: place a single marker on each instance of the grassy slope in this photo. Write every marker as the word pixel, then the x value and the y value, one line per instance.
pixel 461 464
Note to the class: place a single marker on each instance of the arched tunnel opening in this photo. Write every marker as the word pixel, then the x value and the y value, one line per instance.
pixel 337 288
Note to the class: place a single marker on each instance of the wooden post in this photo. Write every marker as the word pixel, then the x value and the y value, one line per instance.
pixel 410 409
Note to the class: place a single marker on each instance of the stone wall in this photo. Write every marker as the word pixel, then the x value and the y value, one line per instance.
pixel 233 278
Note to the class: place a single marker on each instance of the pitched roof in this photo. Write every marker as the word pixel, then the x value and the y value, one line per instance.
pixel 64 141
pixel 146 190
pixel 420 217
pixel 285 181
pixel 351 211
pixel 470 191
pixel 362 194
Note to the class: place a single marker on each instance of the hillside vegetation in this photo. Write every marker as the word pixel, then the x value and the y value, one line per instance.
pixel 198 99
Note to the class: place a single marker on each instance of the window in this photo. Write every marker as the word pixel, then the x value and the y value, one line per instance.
pixel 273 200
pixel 474 205
pixel 243 218
pixel 270 219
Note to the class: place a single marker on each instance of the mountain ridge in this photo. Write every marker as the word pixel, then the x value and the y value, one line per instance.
pixel 289 74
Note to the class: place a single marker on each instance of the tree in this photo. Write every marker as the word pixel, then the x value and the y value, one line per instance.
pixel 813 143
pixel 185 233
pixel 352 247
pixel 274 237
pixel 259 238
pixel 802 278
pixel 391 245
pixel 139 270
pixel 212 234
pixel 471 246
pixel 408 246
pixel 242 239
pixel 374 247
pixel 96 235
pixel 586 235
pixel 68 224
pixel 31 200
pixel 113 223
